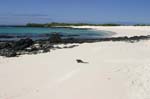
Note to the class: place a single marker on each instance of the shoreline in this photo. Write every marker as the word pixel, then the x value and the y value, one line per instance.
pixel 29 46
pixel 121 30
pixel 16 33
pixel 115 70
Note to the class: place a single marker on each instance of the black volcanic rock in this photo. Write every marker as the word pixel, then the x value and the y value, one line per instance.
pixel 22 44
pixel 4 45
pixel 28 46
pixel 8 53
pixel 6 36
pixel 55 38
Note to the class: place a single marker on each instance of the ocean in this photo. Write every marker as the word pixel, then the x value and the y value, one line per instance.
pixel 15 33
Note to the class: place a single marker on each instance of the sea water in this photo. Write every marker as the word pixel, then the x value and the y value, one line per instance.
pixel 42 33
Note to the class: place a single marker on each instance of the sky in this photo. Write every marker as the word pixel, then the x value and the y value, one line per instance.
pixel 83 11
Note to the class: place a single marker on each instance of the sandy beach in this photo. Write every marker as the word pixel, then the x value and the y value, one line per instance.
pixel 115 70
pixel 122 30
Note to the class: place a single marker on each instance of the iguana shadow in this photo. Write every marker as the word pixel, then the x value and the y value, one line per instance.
pixel 81 61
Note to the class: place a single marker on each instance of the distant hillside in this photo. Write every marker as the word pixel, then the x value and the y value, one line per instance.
pixel 54 24
pixel 142 25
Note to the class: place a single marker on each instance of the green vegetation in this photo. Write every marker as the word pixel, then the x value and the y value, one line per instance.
pixel 109 24
pixel 142 25
pixel 54 24
pixel 35 25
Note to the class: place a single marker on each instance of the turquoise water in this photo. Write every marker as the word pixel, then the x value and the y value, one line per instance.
pixel 39 32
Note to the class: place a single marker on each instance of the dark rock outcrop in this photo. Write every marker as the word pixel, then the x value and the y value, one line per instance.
pixel 6 36
pixel 4 45
pixel 8 53
pixel 55 38
pixel 28 46
pixel 22 44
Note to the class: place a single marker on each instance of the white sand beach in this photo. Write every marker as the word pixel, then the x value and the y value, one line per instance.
pixel 116 70
pixel 122 30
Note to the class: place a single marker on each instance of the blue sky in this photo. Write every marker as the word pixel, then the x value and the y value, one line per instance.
pixel 88 11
